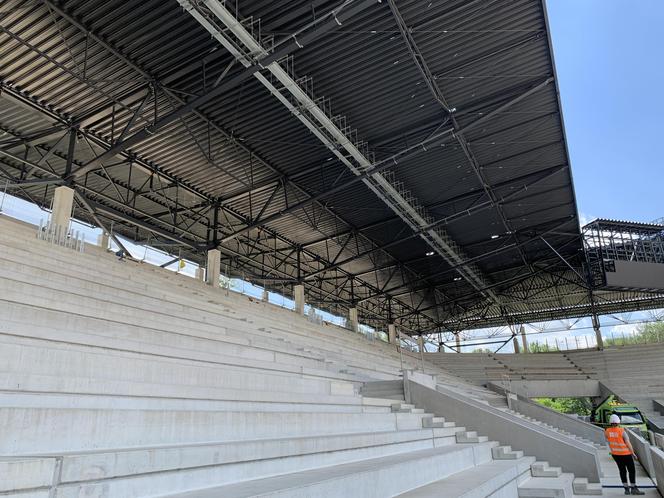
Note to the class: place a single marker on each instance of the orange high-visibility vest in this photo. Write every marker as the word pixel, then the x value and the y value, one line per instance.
pixel 617 446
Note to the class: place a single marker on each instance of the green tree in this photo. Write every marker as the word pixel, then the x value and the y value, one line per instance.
pixel 538 347
pixel 578 406
pixel 645 333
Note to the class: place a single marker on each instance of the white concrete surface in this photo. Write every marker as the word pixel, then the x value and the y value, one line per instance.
pixel 213 268
pixel 298 297
pixel 125 380
pixel 63 203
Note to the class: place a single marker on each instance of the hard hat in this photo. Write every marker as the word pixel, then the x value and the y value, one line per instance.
pixel 615 419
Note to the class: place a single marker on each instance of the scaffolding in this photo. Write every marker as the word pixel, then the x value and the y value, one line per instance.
pixel 608 241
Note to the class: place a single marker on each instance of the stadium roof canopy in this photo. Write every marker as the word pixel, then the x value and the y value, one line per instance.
pixel 406 157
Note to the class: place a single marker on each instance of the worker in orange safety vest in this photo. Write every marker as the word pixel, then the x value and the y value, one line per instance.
pixel 623 454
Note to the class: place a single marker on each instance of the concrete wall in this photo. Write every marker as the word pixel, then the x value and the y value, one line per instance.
pixel 659 441
pixel 657 456
pixel 572 456
pixel 642 449
pixel 570 424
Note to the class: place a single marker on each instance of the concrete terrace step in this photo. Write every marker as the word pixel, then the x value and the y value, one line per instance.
pixel 26 473
pixel 543 469
pixel 547 487
pixel 436 422
pixel 290 318
pixel 477 482
pixel 137 472
pixel 506 453
pixel 241 324
pixel 37 367
pixel 179 297
pixel 67 430
pixel 373 478
pixel 470 437
pixel 581 486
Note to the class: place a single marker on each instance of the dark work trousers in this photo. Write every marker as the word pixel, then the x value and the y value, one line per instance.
pixel 625 463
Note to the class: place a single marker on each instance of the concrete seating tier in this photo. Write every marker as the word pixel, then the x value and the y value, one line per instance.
pixel 481 368
pixel 122 380
pixel 635 373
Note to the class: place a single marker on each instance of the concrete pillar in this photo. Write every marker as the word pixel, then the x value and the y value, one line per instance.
pixel 200 274
pixel 420 342
pixel 457 337
pixel 524 341
pixel 265 296
pixel 598 332
pixel 298 294
pixel 103 240
pixel 63 202
pixel 352 319
pixel 213 267
pixel 392 333
pixel 516 345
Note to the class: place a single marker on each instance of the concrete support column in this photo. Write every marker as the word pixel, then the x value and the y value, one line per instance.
pixel 524 341
pixel 200 274
pixel 213 267
pixel 63 202
pixel 457 337
pixel 103 241
pixel 515 341
pixel 420 342
pixel 598 332
pixel 265 296
pixel 298 294
pixel 392 333
pixel 352 319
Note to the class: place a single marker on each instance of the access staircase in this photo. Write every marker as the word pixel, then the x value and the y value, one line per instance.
pixel 124 380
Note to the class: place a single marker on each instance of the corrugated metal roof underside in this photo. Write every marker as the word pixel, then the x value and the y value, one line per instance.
pixel 94 63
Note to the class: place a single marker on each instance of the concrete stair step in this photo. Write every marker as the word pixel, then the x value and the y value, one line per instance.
pixel 506 453
pixel 547 487
pixel 470 437
pixel 477 482
pixel 543 469
pixel 438 422
pixel 581 486
pixel 402 407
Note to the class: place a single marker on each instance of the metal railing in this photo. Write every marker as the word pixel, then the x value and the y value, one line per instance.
pixel 61 236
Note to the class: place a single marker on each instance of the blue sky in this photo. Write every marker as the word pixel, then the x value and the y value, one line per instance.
pixel 609 61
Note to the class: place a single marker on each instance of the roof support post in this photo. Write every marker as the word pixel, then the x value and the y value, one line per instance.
pixel 352 319
pixel 213 267
pixel 298 295
pixel 598 332
pixel 63 203
pixel 392 333
pixel 524 341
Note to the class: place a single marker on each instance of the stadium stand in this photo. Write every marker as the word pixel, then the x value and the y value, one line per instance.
pixel 122 379
pixel 635 373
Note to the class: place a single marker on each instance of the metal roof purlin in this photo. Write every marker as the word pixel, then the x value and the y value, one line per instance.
pixel 323 127
pixel 438 95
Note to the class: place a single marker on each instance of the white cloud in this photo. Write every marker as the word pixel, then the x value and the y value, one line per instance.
pixel 584 218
